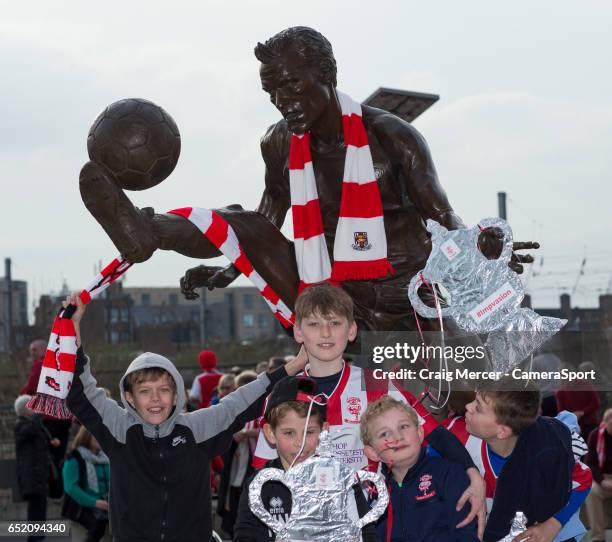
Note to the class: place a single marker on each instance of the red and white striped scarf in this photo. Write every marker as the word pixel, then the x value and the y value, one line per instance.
pixel 360 245
pixel 222 235
pixel 58 365
pixel 59 362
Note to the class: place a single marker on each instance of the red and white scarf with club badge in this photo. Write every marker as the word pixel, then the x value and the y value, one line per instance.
pixel 59 362
pixel 360 245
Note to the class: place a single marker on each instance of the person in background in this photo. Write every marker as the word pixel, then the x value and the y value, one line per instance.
pixel 32 441
pixel 261 367
pixel 581 398
pixel 543 362
pixel 237 464
pixel 86 476
pixel 37 353
pixel 599 459
pixel 227 384
pixel 275 362
pixel 58 428
pixel 205 383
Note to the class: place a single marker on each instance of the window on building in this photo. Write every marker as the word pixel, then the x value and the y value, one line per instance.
pixel 146 299
pixel 247 301
pixel 262 320
pixel 114 315
pixel 173 299
pixel 247 319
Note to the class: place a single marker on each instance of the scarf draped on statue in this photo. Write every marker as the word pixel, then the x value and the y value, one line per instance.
pixel 59 362
pixel 360 248
pixel 360 244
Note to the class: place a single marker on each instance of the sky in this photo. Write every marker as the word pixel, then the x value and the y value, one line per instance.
pixel 524 108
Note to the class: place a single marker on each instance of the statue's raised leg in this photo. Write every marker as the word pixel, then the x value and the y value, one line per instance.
pixel 137 233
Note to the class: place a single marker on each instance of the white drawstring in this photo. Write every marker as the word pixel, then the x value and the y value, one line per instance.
pixel 443 359
pixel 313 400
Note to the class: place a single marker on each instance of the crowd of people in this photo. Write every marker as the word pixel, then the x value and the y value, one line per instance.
pixel 150 463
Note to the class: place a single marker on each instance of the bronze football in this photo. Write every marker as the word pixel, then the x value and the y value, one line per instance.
pixel 137 141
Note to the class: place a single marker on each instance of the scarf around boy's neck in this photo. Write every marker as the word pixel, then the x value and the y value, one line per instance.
pixel 360 244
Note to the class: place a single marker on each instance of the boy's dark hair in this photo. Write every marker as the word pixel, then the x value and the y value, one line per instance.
pixel 515 408
pixel 311 45
pixel 324 299
pixel 146 375
pixel 293 393
pixel 275 415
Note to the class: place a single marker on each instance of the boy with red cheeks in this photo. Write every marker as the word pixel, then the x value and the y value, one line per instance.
pixel 423 489
pixel 324 326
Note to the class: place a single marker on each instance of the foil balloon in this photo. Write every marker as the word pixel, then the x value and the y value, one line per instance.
pixel 485 295
pixel 320 489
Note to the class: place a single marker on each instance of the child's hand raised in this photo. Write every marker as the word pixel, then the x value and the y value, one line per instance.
pixel 75 300
pixel 297 364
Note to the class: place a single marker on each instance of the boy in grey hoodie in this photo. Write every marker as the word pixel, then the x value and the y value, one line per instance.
pixel 160 456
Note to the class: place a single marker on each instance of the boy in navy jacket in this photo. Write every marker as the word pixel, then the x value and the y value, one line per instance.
pixel 423 490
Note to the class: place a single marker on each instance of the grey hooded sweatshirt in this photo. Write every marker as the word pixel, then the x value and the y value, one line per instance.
pixel 160 478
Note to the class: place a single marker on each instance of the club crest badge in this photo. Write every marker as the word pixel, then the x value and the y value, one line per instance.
pixel 424 487
pixel 353 405
pixel 361 241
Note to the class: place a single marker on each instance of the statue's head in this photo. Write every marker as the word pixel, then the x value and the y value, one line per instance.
pixel 298 71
